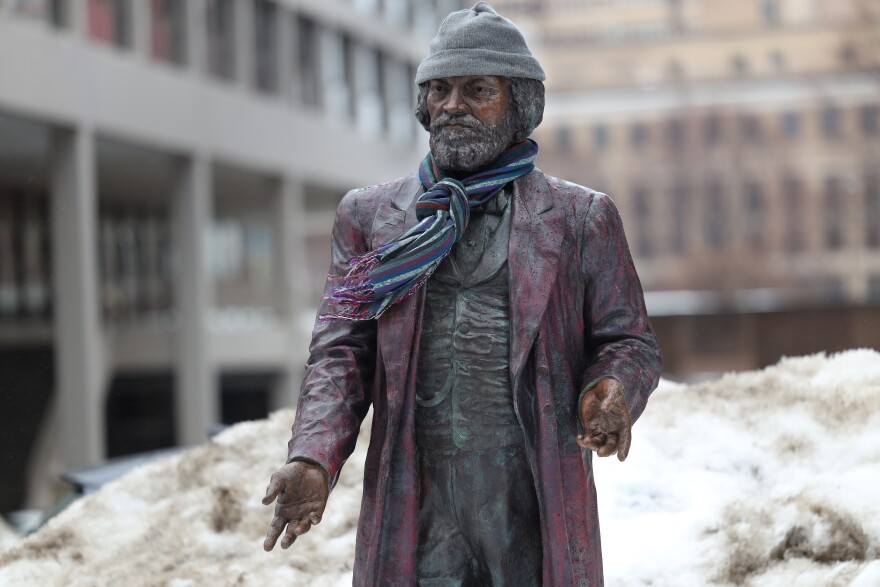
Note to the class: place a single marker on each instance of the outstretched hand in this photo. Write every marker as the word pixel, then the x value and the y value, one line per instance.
pixel 605 419
pixel 302 489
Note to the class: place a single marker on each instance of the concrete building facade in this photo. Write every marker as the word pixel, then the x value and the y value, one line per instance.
pixel 740 141
pixel 169 172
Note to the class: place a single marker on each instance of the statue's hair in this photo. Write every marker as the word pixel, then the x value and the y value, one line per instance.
pixel 526 99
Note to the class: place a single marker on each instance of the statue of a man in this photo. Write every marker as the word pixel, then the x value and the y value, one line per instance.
pixel 492 317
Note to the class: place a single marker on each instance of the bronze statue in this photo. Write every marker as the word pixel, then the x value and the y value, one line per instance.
pixel 492 317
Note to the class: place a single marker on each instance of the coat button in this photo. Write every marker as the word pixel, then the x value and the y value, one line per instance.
pixel 543 370
pixel 547 410
pixel 464 328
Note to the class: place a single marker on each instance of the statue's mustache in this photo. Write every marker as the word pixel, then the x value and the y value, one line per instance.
pixel 466 120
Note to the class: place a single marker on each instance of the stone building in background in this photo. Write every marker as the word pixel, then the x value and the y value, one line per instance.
pixel 741 141
pixel 169 171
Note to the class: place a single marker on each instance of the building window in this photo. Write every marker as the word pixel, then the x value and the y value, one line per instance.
pixel 54 12
pixel 644 244
pixel 638 135
pixel 600 137
pixel 777 60
pixel 675 133
pixel 849 57
pixel 681 203
pixel 370 115
pixel 109 21
pixel 135 257
pixel 712 129
pixel 221 38
pixel 751 128
pixel 716 215
pixel 834 213
pixel 791 125
pixel 831 122
pixel 308 62
pixel 399 93
pixel 336 74
pixel 739 65
pixel 563 139
pixel 792 198
pixel 755 213
pixel 770 12
pixel 265 46
pixel 874 289
pixel 868 118
pixel 168 30
pixel 872 211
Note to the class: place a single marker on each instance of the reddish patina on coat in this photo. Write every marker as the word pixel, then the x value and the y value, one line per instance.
pixel 577 315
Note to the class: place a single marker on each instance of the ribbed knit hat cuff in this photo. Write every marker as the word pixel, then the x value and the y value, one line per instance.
pixel 478 61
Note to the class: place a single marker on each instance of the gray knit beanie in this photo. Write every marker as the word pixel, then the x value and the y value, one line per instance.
pixel 478 41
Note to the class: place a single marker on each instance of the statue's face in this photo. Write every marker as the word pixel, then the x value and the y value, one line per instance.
pixel 471 121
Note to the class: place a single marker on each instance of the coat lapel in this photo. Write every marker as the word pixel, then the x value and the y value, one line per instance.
pixel 397 326
pixel 536 234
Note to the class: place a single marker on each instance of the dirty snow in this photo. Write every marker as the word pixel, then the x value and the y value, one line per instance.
pixel 764 478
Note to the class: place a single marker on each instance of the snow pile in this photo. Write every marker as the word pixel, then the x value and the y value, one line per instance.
pixel 7 534
pixel 767 478
pixel 764 478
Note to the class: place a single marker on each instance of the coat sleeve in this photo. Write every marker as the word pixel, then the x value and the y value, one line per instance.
pixel 620 341
pixel 337 389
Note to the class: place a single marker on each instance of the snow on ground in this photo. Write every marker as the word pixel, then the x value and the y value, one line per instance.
pixel 764 478
pixel 7 534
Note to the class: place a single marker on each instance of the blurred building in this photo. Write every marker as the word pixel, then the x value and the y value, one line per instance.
pixel 741 141
pixel 169 170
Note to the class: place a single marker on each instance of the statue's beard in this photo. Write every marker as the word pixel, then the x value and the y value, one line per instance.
pixel 471 145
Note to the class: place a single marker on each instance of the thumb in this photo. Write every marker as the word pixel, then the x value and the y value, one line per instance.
pixel 272 492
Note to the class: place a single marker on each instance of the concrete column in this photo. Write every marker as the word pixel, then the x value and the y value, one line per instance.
pixel 141 29
pixel 244 43
pixel 292 287
pixel 79 18
pixel 79 359
pixel 197 37
pixel 196 389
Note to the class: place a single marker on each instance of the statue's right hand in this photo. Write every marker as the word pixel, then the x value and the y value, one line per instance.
pixel 302 489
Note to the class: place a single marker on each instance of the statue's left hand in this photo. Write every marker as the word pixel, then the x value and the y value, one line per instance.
pixel 605 419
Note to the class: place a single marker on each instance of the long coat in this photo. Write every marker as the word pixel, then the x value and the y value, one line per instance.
pixel 577 315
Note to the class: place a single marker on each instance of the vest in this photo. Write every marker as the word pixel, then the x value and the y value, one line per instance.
pixel 464 397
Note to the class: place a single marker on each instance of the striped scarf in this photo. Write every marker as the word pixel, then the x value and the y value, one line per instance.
pixel 396 270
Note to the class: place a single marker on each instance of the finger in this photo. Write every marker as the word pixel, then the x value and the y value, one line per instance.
pixel 625 441
pixel 289 536
pixel 274 532
pixel 294 530
pixel 272 491
pixel 593 442
pixel 315 518
pixel 610 446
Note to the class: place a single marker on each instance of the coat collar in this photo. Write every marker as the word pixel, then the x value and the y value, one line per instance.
pixel 536 233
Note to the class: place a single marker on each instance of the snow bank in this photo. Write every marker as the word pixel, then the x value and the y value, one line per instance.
pixel 763 478
pixel 7 534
